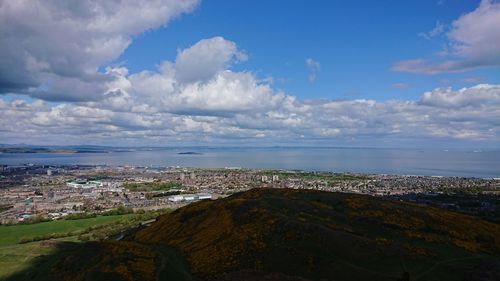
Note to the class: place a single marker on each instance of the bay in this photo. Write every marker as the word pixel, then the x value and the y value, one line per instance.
pixel 483 164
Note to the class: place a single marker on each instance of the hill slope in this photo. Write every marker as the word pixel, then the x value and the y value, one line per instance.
pixel 270 234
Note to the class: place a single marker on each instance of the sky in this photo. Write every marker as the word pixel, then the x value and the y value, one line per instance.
pixel 219 72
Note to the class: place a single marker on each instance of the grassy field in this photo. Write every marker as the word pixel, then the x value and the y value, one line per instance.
pixel 11 234
pixel 15 257
pixel 151 186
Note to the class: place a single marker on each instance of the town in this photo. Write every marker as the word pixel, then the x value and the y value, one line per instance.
pixel 41 192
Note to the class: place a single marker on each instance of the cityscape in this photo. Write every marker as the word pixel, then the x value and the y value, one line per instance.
pixel 53 192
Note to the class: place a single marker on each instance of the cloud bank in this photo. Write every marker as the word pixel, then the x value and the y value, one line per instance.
pixel 58 55
pixel 222 105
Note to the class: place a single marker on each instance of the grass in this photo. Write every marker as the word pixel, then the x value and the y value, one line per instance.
pixel 11 234
pixel 151 186
pixel 15 257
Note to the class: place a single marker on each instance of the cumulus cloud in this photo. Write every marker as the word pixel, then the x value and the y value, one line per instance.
pixel 477 96
pixel 53 49
pixel 476 34
pixel 473 42
pixel 203 60
pixel 464 114
pixel 313 67
pixel 200 82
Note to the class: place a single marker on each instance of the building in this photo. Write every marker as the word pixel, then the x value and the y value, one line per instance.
pixel 176 198
pixel 204 196
pixel 84 184
pixel 189 197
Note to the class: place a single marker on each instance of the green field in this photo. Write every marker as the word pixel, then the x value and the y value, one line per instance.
pixel 151 186
pixel 11 234
pixel 15 257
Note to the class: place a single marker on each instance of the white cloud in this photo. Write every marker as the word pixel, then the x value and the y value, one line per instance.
pixel 473 39
pixel 313 67
pixel 227 92
pixel 437 30
pixel 206 58
pixel 476 35
pixel 53 49
pixel 200 82
pixel 477 96
pixel 467 114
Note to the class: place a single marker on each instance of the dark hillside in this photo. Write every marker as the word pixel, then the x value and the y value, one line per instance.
pixel 323 235
pixel 281 234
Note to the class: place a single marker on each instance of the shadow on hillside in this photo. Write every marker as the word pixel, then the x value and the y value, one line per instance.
pixel 124 260
pixel 40 268
pixel 108 260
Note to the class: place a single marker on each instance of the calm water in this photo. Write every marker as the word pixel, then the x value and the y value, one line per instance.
pixel 386 161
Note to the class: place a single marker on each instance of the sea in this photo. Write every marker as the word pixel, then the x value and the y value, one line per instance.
pixel 428 162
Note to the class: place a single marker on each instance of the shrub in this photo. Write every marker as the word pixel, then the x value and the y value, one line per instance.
pixel 24 240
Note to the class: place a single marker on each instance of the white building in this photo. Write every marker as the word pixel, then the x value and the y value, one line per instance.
pixel 176 198
pixel 84 184
pixel 189 197
pixel 204 196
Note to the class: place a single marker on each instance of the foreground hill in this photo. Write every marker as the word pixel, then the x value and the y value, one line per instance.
pixel 271 234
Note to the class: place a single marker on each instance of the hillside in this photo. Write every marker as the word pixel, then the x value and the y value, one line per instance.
pixel 271 234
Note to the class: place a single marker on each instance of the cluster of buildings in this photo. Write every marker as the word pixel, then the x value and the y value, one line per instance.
pixel 56 191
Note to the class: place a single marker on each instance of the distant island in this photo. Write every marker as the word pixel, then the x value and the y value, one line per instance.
pixel 48 150
pixel 62 149
pixel 35 150
pixel 79 149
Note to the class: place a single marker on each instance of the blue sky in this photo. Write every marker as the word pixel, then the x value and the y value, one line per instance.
pixel 355 42
pixel 176 72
